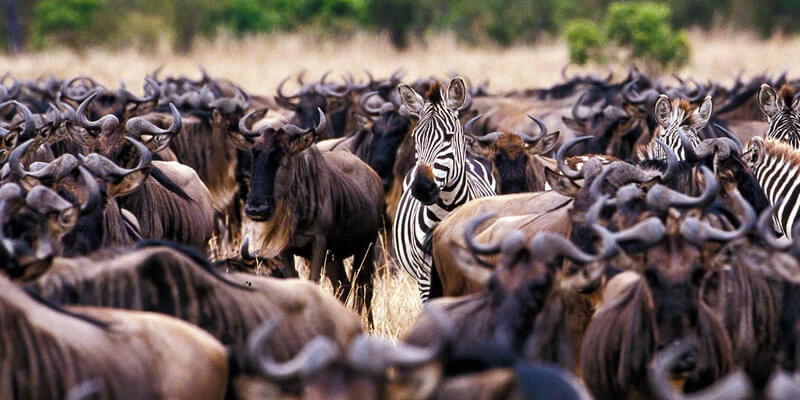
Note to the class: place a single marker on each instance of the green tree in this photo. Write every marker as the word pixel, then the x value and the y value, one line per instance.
pixel 642 31
pixel 66 21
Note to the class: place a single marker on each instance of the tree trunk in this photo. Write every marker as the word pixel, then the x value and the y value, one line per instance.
pixel 15 44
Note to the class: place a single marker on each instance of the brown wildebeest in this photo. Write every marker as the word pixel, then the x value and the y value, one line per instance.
pixel 323 206
pixel 48 350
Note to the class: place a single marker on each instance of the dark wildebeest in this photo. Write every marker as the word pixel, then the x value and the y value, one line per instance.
pixel 178 281
pixel 172 203
pixel 518 160
pixel 48 350
pixel 323 206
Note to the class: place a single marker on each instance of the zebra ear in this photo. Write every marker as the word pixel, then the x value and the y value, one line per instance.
pixel 768 101
pixel 456 94
pixel 703 114
pixel 663 110
pixel 754 154
pixel 412 101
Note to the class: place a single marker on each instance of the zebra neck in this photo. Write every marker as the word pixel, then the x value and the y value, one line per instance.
pixel 453 194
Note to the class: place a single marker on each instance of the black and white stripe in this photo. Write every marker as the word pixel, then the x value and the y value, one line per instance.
pixel 776 166
pixel 785 126
pixel 440 144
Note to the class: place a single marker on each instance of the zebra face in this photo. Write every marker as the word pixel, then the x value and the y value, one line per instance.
pixel 438 138
pixel 781 110
pixel 676 118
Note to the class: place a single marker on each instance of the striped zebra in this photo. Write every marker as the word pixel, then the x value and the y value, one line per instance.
pixel 781 110
pixel 673 118
pixel 776 166
pixel 442 179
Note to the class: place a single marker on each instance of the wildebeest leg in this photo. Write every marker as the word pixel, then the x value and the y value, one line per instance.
pixel 334 269
pixel 318 254
pixel 288 264
pixel 363 270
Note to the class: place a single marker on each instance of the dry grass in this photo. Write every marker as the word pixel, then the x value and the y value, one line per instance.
pixel 259 63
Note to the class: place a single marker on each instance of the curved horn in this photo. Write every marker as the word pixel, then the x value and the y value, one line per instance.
pixel 316 354
pixel 284 99
pixel 540 124
pixel 365 106
pixel 14 159
pixel 245 127
pixel 547 247
pixel 575 106
pixel 730 136
pixel 561 156
pixel 66 86
pixel 661 197
pixel 325 88
pixel 697 231
pixel 489 137
pixel 30 124
pixel 94 200
pixel 469 236
pixel 672 160
pixel 109 120
pixel 139 125
pixel 154 93
pixel 468 126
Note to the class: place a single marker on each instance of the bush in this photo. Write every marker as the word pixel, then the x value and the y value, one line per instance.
pixel 68 21
pixel 641 30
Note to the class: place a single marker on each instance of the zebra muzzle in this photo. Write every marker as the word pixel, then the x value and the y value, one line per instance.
pixel 424 187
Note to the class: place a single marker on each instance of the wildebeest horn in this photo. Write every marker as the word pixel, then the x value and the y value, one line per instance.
pixel 130 97
pixel 65 88
pixel 108 121
pixel 14 159
pixel 325 88
pixel 547 247
pixel 468 126
pixel 735 386
pixel 661 197
pixel 575 113
pixel 103 166
pixel 365 104
pixel 245 123
pixel 245 250
pixel 229 105
pixel 94 199
pixel 292 129
pixel 374 354
pixel 469 236
pixel 561 156
pixel 140 126
pixel 718 147
pixel 540 124
pixel 649 231
pixel 697 231
pixel 766 232
pixel 730 136
pixel 284 100
pixel 27 115
pixel 635 98
pixel 316 354
pixel 86 390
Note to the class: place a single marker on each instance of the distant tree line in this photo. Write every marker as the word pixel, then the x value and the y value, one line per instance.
pixel 36 24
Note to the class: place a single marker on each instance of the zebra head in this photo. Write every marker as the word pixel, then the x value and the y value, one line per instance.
pixel 674 118
pixel 781 110
pixel 438 138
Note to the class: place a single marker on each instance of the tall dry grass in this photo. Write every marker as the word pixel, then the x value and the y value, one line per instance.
pixel 259 63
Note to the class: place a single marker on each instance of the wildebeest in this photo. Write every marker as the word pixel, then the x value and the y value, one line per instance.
pixel 323 206
pixel 48 350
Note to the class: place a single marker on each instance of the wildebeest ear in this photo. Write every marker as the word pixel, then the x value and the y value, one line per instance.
pixel 456 94
pixel 768 100
pixel 156 143
pixel 703 113
pixel 545 144
pixel 128 184
pixel 561 183
pixel 754 153
pixel 663 110
pixel 571 124
pixel 479 148
pixel 412 101
pixel 298 143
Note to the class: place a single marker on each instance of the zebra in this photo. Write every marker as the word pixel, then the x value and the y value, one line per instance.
pixel 674 118
pixel 776 166
pixel 442 179
pixel 781 112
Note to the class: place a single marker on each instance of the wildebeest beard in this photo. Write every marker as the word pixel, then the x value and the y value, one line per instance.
pixel 513 173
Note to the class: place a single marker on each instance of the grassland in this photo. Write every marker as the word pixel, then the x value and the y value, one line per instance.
pixel 259 63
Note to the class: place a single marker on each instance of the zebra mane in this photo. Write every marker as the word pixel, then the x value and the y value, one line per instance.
pixel 781 149
pixel 688 117
pixel 434 93
pixel 786 95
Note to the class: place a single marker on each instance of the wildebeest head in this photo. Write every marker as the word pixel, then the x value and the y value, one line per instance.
pixel 389 129
pixel 439 138
pixel 120 102
pixel 271 149
pixel 34 223
pixel 513 156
